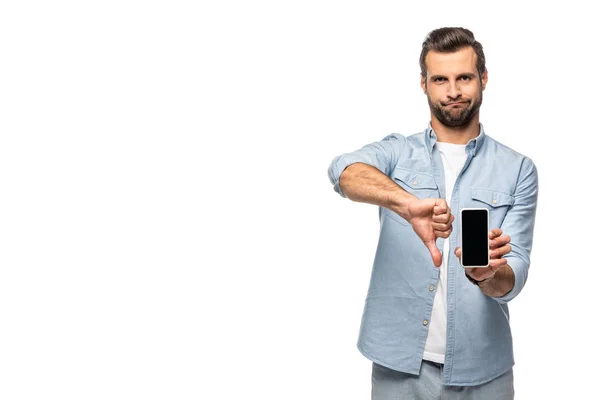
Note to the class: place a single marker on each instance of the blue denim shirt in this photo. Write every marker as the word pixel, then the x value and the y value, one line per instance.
pixel 399 300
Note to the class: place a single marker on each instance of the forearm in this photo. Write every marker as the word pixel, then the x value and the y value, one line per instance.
pixel 502 282
pixel 366 184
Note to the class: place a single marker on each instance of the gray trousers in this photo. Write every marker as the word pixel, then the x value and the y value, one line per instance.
pixel 388 384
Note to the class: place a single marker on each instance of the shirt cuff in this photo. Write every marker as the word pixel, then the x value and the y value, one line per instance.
pixel 338 165
pixel 520 270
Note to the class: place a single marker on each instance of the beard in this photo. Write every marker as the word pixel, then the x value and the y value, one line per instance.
pixel 456 117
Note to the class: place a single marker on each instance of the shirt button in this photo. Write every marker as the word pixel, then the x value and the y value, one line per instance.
pixel 425 322
pixel 415 183
pixel 431 288
pixel 494 201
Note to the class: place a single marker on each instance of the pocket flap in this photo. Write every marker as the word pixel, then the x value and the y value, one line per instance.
pixel 414 180
pixel 492 197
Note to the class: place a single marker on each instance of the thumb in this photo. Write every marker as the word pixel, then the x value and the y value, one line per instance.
pixel 435 253
pixel 439 209
pixel 457 252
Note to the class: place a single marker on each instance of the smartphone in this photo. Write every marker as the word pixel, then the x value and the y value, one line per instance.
pixel 474 228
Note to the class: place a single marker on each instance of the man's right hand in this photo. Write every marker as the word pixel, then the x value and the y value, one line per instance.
pixel 430 219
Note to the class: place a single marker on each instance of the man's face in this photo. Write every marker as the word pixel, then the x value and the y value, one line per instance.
pixel 453 88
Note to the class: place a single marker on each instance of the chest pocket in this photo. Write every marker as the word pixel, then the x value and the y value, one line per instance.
pixel 421 185
pixel 498 204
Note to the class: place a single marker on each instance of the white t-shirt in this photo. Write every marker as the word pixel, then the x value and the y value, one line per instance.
pixel 453 158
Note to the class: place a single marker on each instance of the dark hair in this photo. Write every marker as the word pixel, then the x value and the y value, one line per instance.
pixel 449 40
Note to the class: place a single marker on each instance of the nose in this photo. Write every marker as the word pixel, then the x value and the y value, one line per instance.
pixel 453 90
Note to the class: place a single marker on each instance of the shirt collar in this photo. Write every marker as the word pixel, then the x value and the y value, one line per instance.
pixel 473 145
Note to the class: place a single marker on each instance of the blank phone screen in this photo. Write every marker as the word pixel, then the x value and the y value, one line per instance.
pixel 474 238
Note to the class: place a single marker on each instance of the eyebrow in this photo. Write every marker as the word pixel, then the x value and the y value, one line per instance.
pixel 468 74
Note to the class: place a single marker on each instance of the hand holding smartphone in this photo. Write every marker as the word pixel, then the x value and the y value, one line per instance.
pixel 474 228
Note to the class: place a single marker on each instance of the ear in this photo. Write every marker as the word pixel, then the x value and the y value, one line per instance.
pixel 484 79
pixel 423 84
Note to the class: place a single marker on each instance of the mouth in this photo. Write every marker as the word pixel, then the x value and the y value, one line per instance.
pixel 456 103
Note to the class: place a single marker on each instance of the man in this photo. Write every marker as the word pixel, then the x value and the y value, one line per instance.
pixel 432 328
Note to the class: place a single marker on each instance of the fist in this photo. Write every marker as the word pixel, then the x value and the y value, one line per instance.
pixel 431 219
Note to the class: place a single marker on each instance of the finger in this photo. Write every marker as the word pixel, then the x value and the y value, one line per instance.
pixel 440 209
pixel 441 226
pixel 501 251
pixel 499 241
pixel 443 233
pixel 436 256
pixel 494 233
pixel 457 252
pixel 483 273
pixel 498 263
pixel 442 218
pixel 480 274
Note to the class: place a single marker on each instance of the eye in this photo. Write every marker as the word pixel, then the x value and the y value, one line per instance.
pixel 439 79
pixel 465 78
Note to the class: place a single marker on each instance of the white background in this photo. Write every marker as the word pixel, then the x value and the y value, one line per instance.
pixel 167 227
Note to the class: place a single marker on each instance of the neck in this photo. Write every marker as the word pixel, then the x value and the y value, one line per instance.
pixel 456 134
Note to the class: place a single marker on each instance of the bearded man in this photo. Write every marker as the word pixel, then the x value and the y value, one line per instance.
pixel 432 328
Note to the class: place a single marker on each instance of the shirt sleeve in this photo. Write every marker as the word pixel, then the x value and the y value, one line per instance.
pixel 382 155
pixel 518 224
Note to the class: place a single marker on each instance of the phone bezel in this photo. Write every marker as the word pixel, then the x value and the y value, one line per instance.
pixel 487 212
